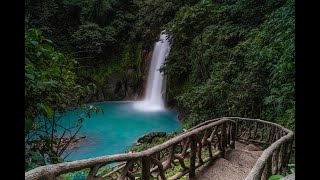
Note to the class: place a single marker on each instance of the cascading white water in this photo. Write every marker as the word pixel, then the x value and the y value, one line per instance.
pixel 153 100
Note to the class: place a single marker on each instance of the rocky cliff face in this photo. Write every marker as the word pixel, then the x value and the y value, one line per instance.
pixel 147 55
pixel 124 85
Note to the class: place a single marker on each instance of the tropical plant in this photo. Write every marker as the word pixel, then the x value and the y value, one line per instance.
pixel 50 90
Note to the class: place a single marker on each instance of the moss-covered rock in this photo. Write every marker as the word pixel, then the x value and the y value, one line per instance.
pixel 147 138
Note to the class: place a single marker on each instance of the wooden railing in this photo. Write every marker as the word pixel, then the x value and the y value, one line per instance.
pixel 187 151
pixel 275 158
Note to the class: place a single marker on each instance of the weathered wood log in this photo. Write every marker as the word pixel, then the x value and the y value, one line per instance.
pixel 199 150
pixel 223 142
pixel 185 148
pixel 181 161
pixel 275 157
pixel 145 171
pixel 116 168
pixel 124 172
pixel 277 136
pixel 182 173
pixel 205 137
pixel 228 134
pixel 61 168
pixel 193 147
pixel 260 133
pixel 280 158
pixel 130 169
pixel 130 175
pixel 233 136
pixel 256 171
pixel 289 150
pixel 269 134
pixel 170 158
pixel 93 172
pixel 158 156
pixel 255 130
pixel 222 132
pixel 213 134
pixel 205 123
pixel 250 131
pixel 267 172
pixel 160 167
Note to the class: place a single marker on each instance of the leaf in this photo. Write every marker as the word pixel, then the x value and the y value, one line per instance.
pixel 42 38
pixel 38 54
pixel 36 156
pixel 48 40
pixel 275 177
pixel 29 76
pixel 28 124
pixel 45 109
pixel 35 43
pixel 292 170
pixel 49 111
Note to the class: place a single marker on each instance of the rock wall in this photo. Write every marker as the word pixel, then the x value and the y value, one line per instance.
pixel 124 85
pixel 147 55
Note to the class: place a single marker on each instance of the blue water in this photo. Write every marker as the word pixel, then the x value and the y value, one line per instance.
pixel 117 129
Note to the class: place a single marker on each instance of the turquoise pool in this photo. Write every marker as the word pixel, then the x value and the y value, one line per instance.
pixel 117 129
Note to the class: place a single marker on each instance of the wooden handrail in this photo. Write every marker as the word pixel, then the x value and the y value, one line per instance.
pixel 213 137
pixel 53 171
pixel 275 158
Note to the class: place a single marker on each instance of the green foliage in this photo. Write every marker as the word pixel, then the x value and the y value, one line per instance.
pixel 151 17
pixel 90 40
pixel 33 159
pixel 290 170
pixel 234 58
pixel 176 170
pixel 155 141
pixel 280 29
pixel 48 82
pixel 228 58
pixel 275 177
pixel 49 78
pixel 50 89
pixel 78 175
pixel 103 34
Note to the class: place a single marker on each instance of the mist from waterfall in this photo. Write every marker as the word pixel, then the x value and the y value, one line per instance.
pixel 153 100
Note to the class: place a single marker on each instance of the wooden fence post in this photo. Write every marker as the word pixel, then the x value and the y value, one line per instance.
pixel 233 135
pixel 275 161
pixel 193 149
pixel 267 169
pixel 145 172
pixel 223 140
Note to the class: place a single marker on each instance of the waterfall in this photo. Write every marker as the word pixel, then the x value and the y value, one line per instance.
pixel 153 100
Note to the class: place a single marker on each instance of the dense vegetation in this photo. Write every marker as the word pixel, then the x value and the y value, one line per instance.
pixel 50 89
pixel 233 58
pixel 79 51
pixel 228 58
pixel 109 38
